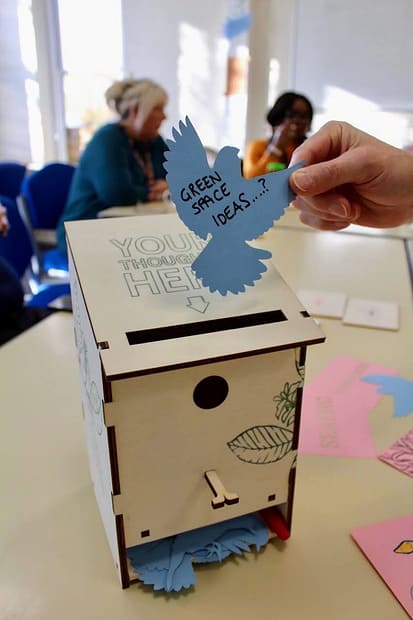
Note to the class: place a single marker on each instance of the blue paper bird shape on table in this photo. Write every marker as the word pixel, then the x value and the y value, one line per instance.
pixel 167 564
pixel 221 206
pixel 401 390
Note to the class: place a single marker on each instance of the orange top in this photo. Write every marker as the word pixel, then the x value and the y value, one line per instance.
pixel 256 158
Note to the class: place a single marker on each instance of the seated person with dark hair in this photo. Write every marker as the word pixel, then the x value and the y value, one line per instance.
pixel 290 119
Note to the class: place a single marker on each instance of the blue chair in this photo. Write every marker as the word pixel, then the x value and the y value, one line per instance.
pixel 49 293
pixel 41 201
pixel 45 193
pixel 17 249
pixel 11 177
pixel 18 315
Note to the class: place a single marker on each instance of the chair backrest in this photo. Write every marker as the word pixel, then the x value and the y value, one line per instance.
pixel 16 247
pixel 11 176
pixel 49 293
pixel 45 193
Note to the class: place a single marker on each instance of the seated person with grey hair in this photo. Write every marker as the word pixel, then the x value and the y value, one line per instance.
pixel 123 162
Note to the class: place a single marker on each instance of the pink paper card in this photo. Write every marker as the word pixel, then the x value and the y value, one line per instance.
pixel 336 404
pixel 400 454
pixel 389 547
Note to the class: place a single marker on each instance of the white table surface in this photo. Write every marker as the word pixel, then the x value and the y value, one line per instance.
pixel 291 219
pixel 54 558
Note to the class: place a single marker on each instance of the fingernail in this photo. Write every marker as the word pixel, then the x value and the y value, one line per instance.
pixel 303 180
pixel 339 209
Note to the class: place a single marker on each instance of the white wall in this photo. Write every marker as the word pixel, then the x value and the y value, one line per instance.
pixel 179 44
pixel 353 59
pixel 31 113
pixel 271 40
pixel 14 118
pixel 49 75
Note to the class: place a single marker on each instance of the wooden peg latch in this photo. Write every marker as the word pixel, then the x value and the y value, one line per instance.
pixel 221 495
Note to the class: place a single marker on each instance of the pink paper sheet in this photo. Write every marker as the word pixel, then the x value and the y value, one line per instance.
pixel 389 547
pixel 336 404
pixel 400 454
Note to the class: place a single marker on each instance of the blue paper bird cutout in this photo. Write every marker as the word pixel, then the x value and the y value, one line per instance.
pixel 167 564
pixel 221 206
pixel 401 390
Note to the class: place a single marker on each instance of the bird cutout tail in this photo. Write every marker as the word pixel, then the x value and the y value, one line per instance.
pixel 226 268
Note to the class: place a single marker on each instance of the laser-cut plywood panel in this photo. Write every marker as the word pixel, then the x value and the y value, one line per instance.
pixel 187 395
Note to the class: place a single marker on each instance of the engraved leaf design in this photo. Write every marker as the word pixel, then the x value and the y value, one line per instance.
pixel 286 400
pixel 261 445
pixel 300 371
pixel 285 403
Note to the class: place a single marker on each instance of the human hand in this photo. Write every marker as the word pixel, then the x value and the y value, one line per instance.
pixel 351 177
pixel 284 135
pixel 157 188
pixel 4 222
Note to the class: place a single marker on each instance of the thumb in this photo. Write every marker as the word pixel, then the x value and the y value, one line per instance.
pixel 313 180
pixel 325 176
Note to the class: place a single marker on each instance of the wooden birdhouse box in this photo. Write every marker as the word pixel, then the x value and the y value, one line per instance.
pixel 191 399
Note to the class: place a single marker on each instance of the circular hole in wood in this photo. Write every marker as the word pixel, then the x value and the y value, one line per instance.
pixel 210 392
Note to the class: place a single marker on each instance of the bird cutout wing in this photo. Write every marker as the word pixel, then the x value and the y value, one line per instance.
pixel 273 198
pixel 401 390
pixel 255 204
pixel 188 175
pixel 220 205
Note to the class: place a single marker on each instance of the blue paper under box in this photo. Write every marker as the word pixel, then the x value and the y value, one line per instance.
pixel 191 399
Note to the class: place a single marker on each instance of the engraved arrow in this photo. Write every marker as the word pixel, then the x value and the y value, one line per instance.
pixel 198 303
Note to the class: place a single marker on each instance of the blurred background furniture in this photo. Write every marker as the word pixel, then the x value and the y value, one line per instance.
pixel 12 174
pixel 52 296
pixel 17 249
pixel 41 201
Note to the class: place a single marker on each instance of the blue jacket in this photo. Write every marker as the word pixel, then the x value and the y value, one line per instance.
pixel 109 174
